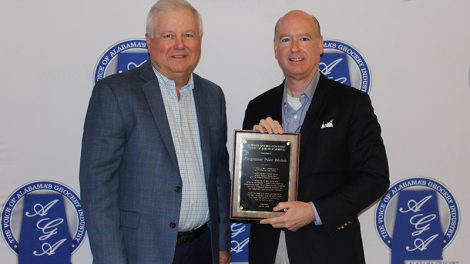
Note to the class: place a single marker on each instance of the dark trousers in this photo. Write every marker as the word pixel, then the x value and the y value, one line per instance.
pixel 197 251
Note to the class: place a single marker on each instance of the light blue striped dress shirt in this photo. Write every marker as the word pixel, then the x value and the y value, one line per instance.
pixel 182 118
pixel 292 120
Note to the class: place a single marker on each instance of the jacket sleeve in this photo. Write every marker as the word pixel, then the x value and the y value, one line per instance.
pixel 223 185
pixel 103 142
pixel 368 177
pixel 250 116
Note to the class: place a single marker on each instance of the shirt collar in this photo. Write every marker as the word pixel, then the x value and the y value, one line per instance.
pixel 169 85
pixel 308 92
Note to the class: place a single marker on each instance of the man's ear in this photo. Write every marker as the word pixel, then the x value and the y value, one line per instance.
pixel 275 49
pixel 148 40
pixel 320 44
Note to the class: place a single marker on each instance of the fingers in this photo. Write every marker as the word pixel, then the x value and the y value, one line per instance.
pixel 268 125
pixel 273 221
pixel 259 128
pixel 224 257
pixel 282 206
pixel 297 215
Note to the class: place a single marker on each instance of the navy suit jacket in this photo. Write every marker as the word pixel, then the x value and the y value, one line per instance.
pixel 343 169
pixel 129 176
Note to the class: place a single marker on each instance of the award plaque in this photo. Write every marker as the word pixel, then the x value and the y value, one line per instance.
pixel 265 172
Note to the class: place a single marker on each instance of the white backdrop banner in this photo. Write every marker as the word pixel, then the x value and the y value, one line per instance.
pixel 411 56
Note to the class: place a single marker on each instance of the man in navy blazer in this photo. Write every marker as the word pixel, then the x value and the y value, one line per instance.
pixel 154 175
pixel 343 165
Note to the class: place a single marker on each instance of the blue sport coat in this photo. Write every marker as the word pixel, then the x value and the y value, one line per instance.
pixel 129 176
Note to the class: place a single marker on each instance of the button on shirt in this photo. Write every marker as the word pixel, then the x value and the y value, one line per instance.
pixel 293 115
pixel 294 110
pixel 182 118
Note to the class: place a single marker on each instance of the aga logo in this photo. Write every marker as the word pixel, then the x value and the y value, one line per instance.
pixel 43 222
pixel 120 57
pixel 417 218
pixel 343 63
pixel 240 240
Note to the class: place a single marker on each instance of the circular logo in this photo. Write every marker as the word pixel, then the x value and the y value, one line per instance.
pixel 387 208
pixel 12 212
pixel 122 56
pixel 343 63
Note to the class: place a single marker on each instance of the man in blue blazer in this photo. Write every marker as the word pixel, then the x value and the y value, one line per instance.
pixel 343 166
pixel 154 175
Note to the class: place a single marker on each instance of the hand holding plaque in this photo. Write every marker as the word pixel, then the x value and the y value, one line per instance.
pixel 265 172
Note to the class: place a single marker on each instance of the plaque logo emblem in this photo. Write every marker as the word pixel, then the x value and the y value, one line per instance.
pixel 417 218
pixel 345 64
pixel 43 221
pixel 120 57
pixel 240 240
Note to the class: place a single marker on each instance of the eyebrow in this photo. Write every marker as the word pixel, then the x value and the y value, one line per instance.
pixel 296 35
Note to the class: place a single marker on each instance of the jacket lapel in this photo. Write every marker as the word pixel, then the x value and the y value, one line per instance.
pixel 276 107
pixel 154 98
pixel 311 121
pixel 202 104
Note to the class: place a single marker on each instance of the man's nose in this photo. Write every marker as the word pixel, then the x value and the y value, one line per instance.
pixel 294 46
pixel 179 42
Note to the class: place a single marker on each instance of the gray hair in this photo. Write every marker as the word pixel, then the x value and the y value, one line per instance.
pixel 169 5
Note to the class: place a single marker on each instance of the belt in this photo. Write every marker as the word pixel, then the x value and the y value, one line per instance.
pixel 189 236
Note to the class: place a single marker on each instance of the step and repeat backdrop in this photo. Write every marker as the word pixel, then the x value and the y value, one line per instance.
pixel 411 56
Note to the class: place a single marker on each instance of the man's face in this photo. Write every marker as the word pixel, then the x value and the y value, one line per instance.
pixel 175 47
pixel 298 46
